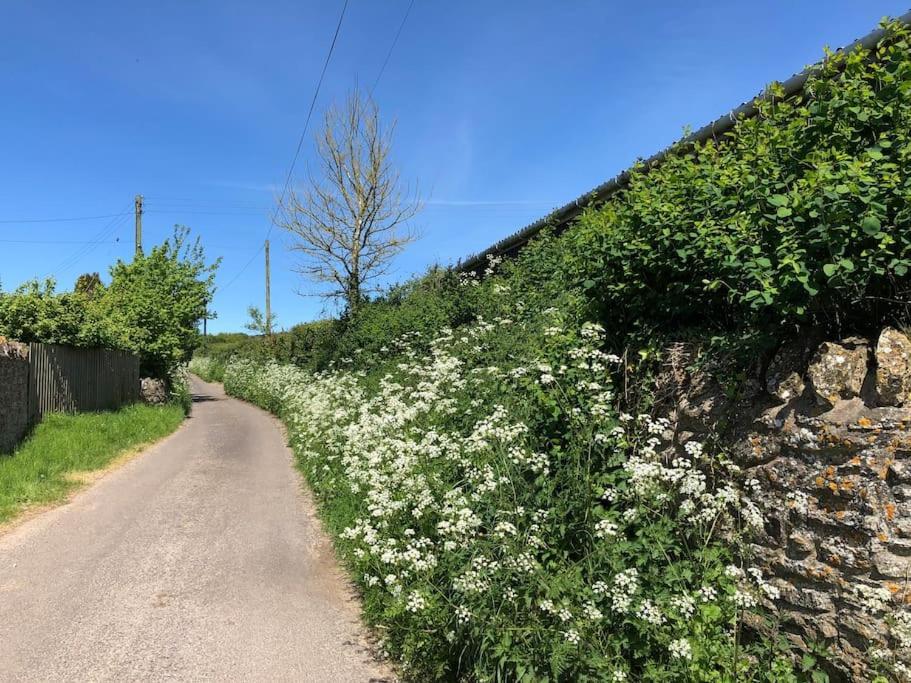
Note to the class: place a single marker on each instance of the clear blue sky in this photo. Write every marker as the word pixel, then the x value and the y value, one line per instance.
pixel 505 110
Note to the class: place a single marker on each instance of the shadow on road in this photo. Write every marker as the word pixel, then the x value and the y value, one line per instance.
pixel 203 398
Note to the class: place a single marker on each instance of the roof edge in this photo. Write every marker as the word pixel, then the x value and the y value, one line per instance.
pixel 559 218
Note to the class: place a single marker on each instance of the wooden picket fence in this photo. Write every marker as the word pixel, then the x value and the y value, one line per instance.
pixel 64 379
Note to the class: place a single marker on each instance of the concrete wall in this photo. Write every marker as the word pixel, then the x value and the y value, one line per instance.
pixel 14 374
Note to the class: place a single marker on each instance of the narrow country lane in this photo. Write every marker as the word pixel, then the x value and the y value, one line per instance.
pixel 198 560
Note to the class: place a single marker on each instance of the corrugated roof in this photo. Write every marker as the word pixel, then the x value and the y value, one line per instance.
pixel 561 217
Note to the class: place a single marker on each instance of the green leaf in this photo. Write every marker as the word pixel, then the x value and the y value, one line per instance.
pixel 778 200
pixel 871 225
pixel 784 212
pixel 829 269
pixel 847 264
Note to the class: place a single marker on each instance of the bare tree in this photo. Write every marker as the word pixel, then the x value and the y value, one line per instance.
pixel 354 218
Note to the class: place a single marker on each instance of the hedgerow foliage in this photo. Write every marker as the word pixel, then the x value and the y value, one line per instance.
pixel 502 515
pixel 798 216
pixel 151 307
pixel 801 214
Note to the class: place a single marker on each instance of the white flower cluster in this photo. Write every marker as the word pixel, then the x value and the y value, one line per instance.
pixel 453 509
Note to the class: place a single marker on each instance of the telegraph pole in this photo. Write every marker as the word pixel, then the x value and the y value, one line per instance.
pixel 138 208
pixel 268 296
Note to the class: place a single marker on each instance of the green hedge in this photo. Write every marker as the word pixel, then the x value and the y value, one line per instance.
pixel 798 216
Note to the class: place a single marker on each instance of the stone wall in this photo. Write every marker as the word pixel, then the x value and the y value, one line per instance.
pixel 826 429
pixel 14 415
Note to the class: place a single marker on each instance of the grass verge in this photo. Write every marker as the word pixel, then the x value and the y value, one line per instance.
pixel 44 468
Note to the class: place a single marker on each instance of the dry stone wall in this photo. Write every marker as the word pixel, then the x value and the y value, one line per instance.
pixel 826 429
pixel 14 416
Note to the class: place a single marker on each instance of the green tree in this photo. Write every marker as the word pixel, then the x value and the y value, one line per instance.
pixel 156 302
pixel 258 323
pixel 35 312
pixel 89 284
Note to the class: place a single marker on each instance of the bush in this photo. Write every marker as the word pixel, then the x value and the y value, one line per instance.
pixel 179 388
pixel 800 215
pixel 155 303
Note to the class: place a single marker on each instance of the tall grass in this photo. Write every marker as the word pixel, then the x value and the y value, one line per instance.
pixel 40 470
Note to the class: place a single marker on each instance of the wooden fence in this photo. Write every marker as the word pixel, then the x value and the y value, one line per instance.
pixel 64 379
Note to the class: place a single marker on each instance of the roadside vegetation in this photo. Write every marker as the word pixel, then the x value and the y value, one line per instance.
pixel 208 368
pixel 44 469
pixel 505 522
pixel 487 448
pixel 151 307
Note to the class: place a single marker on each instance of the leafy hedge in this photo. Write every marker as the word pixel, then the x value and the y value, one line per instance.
pixel 151 307
pixel 799 216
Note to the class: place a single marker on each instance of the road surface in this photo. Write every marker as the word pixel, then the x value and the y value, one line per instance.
pixel 200 559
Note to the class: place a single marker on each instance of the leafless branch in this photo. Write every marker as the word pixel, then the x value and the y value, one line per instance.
pixel 354 218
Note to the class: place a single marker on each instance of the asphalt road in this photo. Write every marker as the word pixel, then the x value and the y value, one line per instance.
pixel 200 559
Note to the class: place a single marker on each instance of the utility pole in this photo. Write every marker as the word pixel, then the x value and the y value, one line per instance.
pixel 268 296
pixel 138 208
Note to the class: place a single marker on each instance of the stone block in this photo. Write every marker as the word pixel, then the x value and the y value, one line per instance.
pixel 893 368
pixel 838 370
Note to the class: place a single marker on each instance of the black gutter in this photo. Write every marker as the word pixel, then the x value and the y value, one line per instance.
pixel 559 219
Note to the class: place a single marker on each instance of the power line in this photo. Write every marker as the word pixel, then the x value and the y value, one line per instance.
pixel 72 260
pixel 246 265
pixel 101 237
pixel 392 47
pixel 300 143
pixel 180 211
pixel 62 220
pixel 49 242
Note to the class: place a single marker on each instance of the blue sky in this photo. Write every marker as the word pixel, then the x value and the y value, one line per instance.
pixel 504 110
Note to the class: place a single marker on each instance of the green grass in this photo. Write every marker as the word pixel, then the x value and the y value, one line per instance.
pixel 41 469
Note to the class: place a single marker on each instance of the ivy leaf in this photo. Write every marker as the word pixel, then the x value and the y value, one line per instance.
pixel 847 264
pixel 829 269
pixel 784 212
